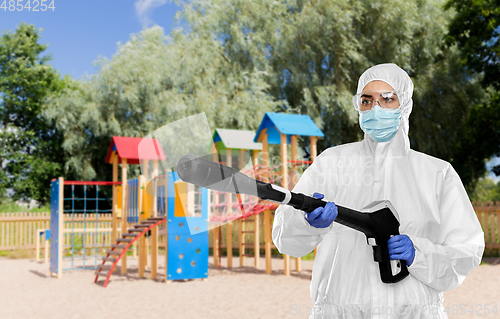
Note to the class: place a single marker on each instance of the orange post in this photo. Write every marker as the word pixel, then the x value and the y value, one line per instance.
pixel 284 183
pixel 229 224
pixel 215 230
pixel 267 212
pixel 124 210
pixel 142 240
pixel 154 231
pixel 291 184
pixel 312 144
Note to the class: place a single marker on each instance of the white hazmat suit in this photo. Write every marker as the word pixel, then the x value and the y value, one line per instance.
pixel 434 211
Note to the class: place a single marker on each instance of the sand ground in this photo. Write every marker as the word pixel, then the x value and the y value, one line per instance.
pixel 28 291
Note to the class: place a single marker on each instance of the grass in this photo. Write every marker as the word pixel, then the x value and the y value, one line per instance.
pixel 309 256
pixel 12 207
pixel 18 254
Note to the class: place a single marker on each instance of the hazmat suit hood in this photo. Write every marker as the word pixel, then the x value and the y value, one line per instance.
pixel 402 84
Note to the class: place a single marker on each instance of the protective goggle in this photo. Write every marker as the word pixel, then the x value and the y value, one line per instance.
pixel 365 101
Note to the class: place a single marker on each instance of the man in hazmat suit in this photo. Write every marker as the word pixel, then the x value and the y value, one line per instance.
pixel 441 239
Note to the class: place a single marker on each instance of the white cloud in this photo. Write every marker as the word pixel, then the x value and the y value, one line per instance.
pixel 143 9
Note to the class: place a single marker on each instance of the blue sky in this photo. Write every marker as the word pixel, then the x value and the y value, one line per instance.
pixel 78 32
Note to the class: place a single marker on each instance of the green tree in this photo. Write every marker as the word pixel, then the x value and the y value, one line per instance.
pixel 475 28
pixel 486 190
pixel 31 148
pixel 237 59
pixel 153 80
pixel 480 136
pixel 313 53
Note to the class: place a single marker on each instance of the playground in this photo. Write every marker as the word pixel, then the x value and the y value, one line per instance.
pixel 164 247
pixel 154 211
pixel 101 218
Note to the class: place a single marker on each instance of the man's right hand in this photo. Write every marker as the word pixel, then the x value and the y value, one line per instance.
pixel 322 217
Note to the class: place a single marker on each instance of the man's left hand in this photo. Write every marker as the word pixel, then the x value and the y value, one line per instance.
pixel 401 248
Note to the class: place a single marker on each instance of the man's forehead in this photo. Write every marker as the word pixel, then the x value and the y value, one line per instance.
pixel 377 85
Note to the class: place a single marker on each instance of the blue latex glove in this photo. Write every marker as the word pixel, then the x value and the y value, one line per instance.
pixel 401 248
pixel 322 217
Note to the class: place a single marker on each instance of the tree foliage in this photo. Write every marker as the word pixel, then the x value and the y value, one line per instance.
pixel 31 148
pixel 314 52
pixel 476 29
pixel 153 80
pixel 481 136
pixel 237 59
pixel 486 190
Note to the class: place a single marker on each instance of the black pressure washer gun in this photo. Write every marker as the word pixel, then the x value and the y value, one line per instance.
pixel 379 222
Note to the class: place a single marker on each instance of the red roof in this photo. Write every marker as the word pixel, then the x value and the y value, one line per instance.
pixel 128 147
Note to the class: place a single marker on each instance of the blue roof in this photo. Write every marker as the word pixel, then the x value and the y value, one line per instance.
pixel 288 124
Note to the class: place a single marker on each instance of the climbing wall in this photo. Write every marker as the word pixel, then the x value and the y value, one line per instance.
pixel 187 253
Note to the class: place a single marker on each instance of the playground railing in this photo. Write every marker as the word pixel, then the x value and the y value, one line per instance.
pixel 488 214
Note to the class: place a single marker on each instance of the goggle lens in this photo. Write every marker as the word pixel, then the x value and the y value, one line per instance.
pixel 366 100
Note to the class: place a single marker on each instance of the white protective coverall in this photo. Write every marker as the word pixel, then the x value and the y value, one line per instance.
pixel 434 210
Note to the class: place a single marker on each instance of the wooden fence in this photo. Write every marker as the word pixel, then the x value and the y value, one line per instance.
pixel 235 226
pixel 82 232
pixel 18 230
pixel 488 215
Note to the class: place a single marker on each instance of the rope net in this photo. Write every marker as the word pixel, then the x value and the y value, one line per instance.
pixel 227 207
pixel 87 224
